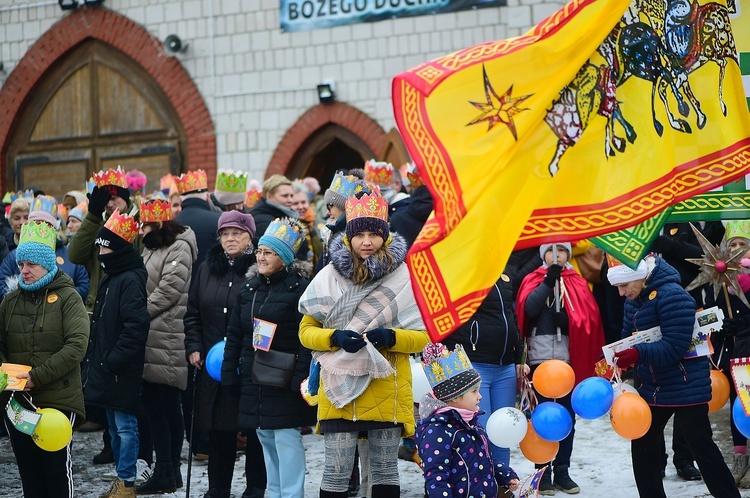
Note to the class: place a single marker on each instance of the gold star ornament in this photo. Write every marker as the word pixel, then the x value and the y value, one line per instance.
pixel 498 109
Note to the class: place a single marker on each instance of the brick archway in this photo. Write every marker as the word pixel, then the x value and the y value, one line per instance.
pixel 339 113
pixel 138 44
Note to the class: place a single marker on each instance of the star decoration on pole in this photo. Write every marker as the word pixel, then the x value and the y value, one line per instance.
pixel 498 109
pixel 720 267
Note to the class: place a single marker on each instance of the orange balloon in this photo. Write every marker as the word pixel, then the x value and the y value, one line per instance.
pixel 536 449
pixel 719 391
pixel 554 379
pixel 630 416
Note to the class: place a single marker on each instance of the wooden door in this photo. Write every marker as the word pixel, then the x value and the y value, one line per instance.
pixel 95 109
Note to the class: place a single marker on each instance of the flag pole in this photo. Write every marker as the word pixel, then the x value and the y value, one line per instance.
pixel 557 291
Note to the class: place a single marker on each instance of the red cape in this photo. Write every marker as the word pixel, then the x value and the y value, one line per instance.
pixel 585 328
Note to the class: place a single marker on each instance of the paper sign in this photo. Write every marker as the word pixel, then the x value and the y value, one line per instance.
pixel 22 419
pixel 706 321
pixel 263 332
pixel 650 335
pixel 13 369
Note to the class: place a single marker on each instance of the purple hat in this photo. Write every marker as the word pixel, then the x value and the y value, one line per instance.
pixel 239 220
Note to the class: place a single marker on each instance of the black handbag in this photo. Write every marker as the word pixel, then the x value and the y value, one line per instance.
pixel 273 368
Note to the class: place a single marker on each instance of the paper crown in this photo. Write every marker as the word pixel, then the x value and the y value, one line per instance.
pixel 344 184
pixel 45 203
pixel 252 197
pixel 449 373
pixel 154 210
pixel 369 205
pixel 90 185
pixel 123 226
pixel 111 177
pixel 22 194
pixel 412 174
pixel 288 231
pixel 192 181
pixel 231 181
pixel 378 172
pixel 38 231
pixel 737 228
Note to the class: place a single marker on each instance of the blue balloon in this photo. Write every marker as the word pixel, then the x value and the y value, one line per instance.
pixel 214 358
pixel 741 419
pixel 551 421
pixel 592 398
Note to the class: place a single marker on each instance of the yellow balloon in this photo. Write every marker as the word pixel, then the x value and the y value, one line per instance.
pixel 53 431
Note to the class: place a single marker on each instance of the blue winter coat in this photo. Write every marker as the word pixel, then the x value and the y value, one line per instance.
pixel 455 455
pixel 667 379
pixel 78 273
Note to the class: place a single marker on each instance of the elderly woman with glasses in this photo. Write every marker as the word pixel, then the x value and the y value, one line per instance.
pixel 266 320
pixel 211 299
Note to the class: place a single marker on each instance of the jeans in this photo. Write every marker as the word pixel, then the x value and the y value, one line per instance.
pixel 123 427
pixel 285 462
pixel 498 390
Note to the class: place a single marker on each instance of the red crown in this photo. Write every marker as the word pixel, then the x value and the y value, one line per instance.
pixel 252 198
pixel 154 210
pixel 412 174
pixel 111 177
pixel 192 181
pixel 368 206
pixel 379 173
pixel 123 226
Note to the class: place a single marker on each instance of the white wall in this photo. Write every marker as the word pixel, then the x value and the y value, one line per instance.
pixel 257 81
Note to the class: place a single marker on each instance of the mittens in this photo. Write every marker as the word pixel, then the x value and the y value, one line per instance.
pixel 348 340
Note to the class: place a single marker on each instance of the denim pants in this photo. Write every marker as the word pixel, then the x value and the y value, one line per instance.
pixel 285 462
pixel 123 427
pixel 498 390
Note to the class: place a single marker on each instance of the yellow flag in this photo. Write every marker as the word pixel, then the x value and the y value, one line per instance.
pixel 597 119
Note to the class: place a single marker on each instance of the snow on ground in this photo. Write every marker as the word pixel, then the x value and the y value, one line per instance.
pixel 600 465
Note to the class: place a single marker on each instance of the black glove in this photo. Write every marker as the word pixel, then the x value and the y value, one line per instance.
pixel 664 245
pixel 348 340
pixel 733 326
pixel 98 199
pixel 382 338
pixel 560 319
pixel 553 275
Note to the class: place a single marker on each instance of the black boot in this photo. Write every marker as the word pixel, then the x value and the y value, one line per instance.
pixel 254 493
pixel 218 493
pixel 177 474
pixel 386 491
pixel 545 485
pixel 564 482
pixel 333 494
pixel 161 481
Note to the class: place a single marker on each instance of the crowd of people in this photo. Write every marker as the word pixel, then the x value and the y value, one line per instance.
pixel 119 299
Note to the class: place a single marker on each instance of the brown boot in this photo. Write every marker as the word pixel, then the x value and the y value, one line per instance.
pixel 122 491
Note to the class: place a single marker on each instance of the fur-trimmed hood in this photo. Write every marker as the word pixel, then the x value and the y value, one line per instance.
pixel 301 268
pixel 218 264
pixel 343 260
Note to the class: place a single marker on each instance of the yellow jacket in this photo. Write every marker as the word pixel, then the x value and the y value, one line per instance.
pixel 388 399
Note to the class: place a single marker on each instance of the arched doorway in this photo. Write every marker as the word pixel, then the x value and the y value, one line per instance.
pixel 95 109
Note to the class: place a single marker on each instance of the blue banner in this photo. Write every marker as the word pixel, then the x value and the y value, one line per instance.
pixel 300 15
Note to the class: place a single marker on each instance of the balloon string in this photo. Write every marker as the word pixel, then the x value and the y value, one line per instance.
pixel 528 401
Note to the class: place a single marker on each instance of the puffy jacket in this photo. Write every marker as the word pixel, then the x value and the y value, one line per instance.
pixel 666 378
pixel 47 329
pixel 273 299
pixel 169 270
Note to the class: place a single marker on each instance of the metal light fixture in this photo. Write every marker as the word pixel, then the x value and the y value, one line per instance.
pixel 326 93
pixel 74 4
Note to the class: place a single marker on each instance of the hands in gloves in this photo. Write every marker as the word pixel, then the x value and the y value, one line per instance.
pixel 553 275
pixel 560 319
pixel 381 337
pixel 626 358
pixel 98 199
pixel 348 340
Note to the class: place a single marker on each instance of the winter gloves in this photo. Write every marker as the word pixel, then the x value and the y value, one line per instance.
pixel 560 319
pixel 382 338
pixel 626 358
pixel 348 340
pixel 553 275
pixel 98 199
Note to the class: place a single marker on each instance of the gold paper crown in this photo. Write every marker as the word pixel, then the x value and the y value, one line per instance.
pixel 412 174
pixel 612 261
pixel 369 205
pixel 231 181
pixel 192 181
pixel 111 177
pixel 123 226
pixel 38 231
pixel 252 198
pixel 379 173
pixel 154 210
pixel 440 364
pixel 45 203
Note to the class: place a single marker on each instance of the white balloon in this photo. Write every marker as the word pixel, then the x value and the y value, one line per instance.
pixel 419 383
pixel 622 388
pixel 506 427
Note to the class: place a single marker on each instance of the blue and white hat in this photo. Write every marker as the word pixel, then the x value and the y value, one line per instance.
pixel 450 373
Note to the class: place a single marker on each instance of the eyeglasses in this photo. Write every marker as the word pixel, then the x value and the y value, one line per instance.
pixel 265 254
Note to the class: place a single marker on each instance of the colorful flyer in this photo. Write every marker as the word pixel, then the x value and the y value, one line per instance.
pixel 263 332
pixel 23 419
pixel 12 370
pixel 706 322
pixel 650 335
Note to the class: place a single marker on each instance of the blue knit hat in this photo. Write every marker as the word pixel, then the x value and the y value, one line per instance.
pixel 284 236
pixel 37 245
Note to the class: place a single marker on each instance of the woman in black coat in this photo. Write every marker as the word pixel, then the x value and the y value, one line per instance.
pixel 210 302
pixel 271 293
